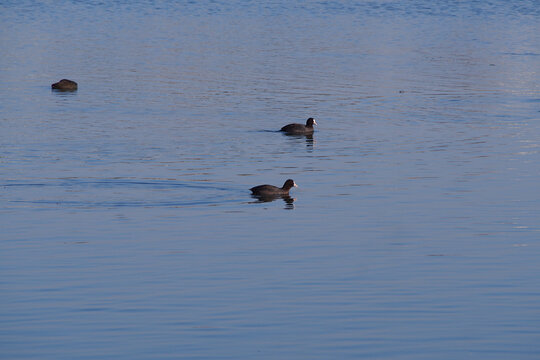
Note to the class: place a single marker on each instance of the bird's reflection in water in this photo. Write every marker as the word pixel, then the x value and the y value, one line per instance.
pixel 269 198
pixel 308 137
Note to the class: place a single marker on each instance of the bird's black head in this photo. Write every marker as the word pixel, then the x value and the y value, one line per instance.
pixel 310 122
pixel 289 184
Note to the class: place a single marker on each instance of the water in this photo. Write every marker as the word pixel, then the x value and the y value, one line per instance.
pixel 127 228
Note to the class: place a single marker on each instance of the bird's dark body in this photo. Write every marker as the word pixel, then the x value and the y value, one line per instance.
pixel 271 190
pixel 268 190
pixel 299 129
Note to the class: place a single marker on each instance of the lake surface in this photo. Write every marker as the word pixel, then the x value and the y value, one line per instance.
pixel 127 227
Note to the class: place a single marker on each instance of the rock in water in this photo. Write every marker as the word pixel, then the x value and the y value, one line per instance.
pixel 65 85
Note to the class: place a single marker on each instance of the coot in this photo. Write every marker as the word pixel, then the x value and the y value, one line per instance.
pixel 270 190
pixel 65 85
pixel 299 128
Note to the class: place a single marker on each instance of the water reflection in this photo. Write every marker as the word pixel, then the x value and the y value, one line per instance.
pixel 64 91
pixel 310 142
pixel 64 94
pixel 271 197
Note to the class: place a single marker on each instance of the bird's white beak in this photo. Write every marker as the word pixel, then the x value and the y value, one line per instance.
pixel 314 122
pixel 295 185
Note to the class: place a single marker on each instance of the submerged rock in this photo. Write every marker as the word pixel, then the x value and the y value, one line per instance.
pixel 65 85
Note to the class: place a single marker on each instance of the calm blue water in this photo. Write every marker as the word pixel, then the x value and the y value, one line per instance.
pixel 127 227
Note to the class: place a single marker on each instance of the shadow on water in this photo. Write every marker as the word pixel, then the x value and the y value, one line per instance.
pixel 269 198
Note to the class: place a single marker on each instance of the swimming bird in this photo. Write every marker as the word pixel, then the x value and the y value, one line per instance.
pixel 65 85
pixel 299 129
pixel 273 191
